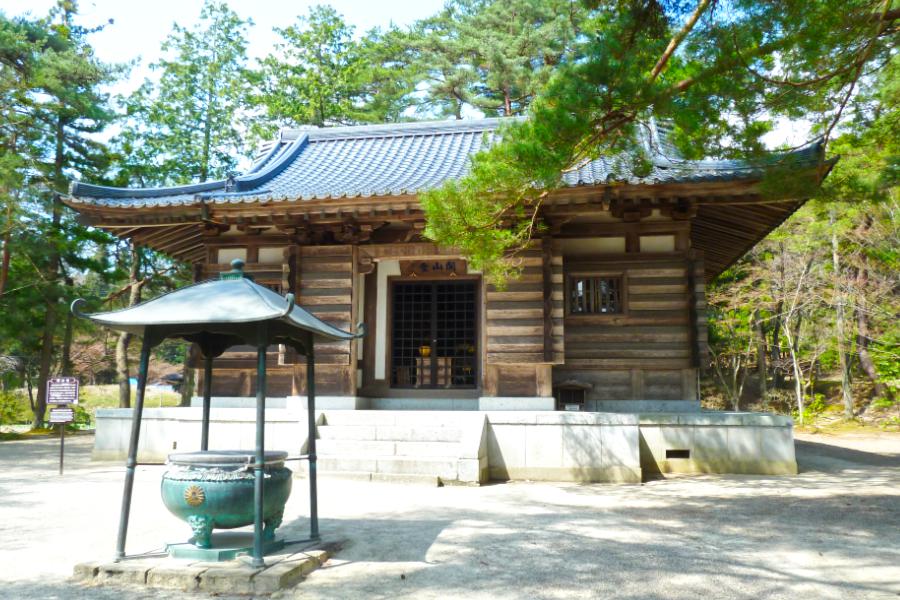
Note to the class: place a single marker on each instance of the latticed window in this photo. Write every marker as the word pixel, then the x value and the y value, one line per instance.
pixel 595 295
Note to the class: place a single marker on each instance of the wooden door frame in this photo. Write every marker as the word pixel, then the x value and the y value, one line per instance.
pixel 389 327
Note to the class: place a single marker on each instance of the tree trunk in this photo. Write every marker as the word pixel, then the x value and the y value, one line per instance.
pixel 762 370
pixel 51 277
pixel 7 238
pixel 65 363
pixel 862 339
pixel 778 371
pixel 29 385
pixel 134 296
pixel 187 379
pixel 798 373
pixel 7 233
pixel 840 321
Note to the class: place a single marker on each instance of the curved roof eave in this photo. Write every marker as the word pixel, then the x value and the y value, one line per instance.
pixel 231 306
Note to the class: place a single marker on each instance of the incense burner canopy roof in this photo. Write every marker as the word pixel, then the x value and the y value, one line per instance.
pixel 406 159
pixel 220 313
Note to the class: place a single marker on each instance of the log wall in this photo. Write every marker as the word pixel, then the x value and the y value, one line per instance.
pixel 649 350
pixel 325 287
pixel 523 326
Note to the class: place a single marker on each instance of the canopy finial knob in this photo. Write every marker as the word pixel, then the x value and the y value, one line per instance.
pixel 236 272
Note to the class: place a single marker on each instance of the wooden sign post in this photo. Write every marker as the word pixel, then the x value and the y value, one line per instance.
pixel 61 417
pixel 62 391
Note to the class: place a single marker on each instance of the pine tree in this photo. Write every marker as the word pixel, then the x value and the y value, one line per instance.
pixel 320 75
pixel 60 105
pixel 186 127
pixel 719 74
pixel 494 56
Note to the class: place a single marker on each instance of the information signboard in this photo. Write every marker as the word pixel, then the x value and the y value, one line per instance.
pixel 62 390
pixel 61 415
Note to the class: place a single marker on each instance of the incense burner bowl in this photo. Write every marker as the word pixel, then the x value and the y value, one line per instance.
pixel 215 490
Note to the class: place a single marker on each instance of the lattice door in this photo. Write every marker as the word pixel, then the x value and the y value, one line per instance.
pixel 434 335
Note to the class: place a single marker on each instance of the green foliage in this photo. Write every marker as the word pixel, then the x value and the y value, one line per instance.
pixel 171 351
pixel 735 69
pixel 492 55
pixel 83 417
pixel 320 75
pixel 186 127
pixel 13 409
pixel 813 409
pixel 886 356
pixel 51 87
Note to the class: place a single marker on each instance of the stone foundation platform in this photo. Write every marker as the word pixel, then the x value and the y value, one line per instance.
pixel 282 570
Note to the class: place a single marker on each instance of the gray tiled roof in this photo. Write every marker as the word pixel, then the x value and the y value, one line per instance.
pixel 395 159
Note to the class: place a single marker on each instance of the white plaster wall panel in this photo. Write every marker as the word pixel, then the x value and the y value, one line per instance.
pixel 226 255
pixel 657 243
pixel 271 255
pixel 386 268
pixel 592 246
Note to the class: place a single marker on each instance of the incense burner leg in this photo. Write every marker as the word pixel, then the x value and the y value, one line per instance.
pixel 272 523
pixel 202 526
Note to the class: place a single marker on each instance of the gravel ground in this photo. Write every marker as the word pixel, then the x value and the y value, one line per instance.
pixel 831 532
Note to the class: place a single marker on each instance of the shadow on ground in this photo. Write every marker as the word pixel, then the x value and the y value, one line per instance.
pixel 809 455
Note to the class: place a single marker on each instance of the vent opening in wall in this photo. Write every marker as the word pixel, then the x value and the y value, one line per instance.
pixel 677 454
pixel 570 397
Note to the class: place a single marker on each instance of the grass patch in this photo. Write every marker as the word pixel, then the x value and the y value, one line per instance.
pixel 10 436
pixel 92 397
pixel 837 427
pixel 39 431
pixel 107 396
pixel 15 410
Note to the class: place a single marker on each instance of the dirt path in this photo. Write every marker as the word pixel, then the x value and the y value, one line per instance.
pixel 833 532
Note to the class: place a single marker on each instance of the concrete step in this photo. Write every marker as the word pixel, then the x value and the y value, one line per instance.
pixel 349 447
pixel 444 468
pixel 345 432
pixel 395 417
pixel 394 433
pixel 429 480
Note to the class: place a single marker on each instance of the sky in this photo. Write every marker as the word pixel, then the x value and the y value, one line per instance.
pixel 140 26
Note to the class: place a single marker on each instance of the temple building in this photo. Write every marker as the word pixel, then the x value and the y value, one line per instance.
pixel 608 315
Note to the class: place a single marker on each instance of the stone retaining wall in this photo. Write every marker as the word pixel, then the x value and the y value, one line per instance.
pixel 504 445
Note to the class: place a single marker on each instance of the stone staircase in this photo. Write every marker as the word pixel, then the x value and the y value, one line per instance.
pixel 428 447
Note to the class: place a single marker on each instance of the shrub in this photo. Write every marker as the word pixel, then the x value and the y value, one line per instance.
pixel 83 417
pixel 13 409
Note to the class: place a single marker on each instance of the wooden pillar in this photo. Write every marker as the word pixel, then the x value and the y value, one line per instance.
pixel 547 288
